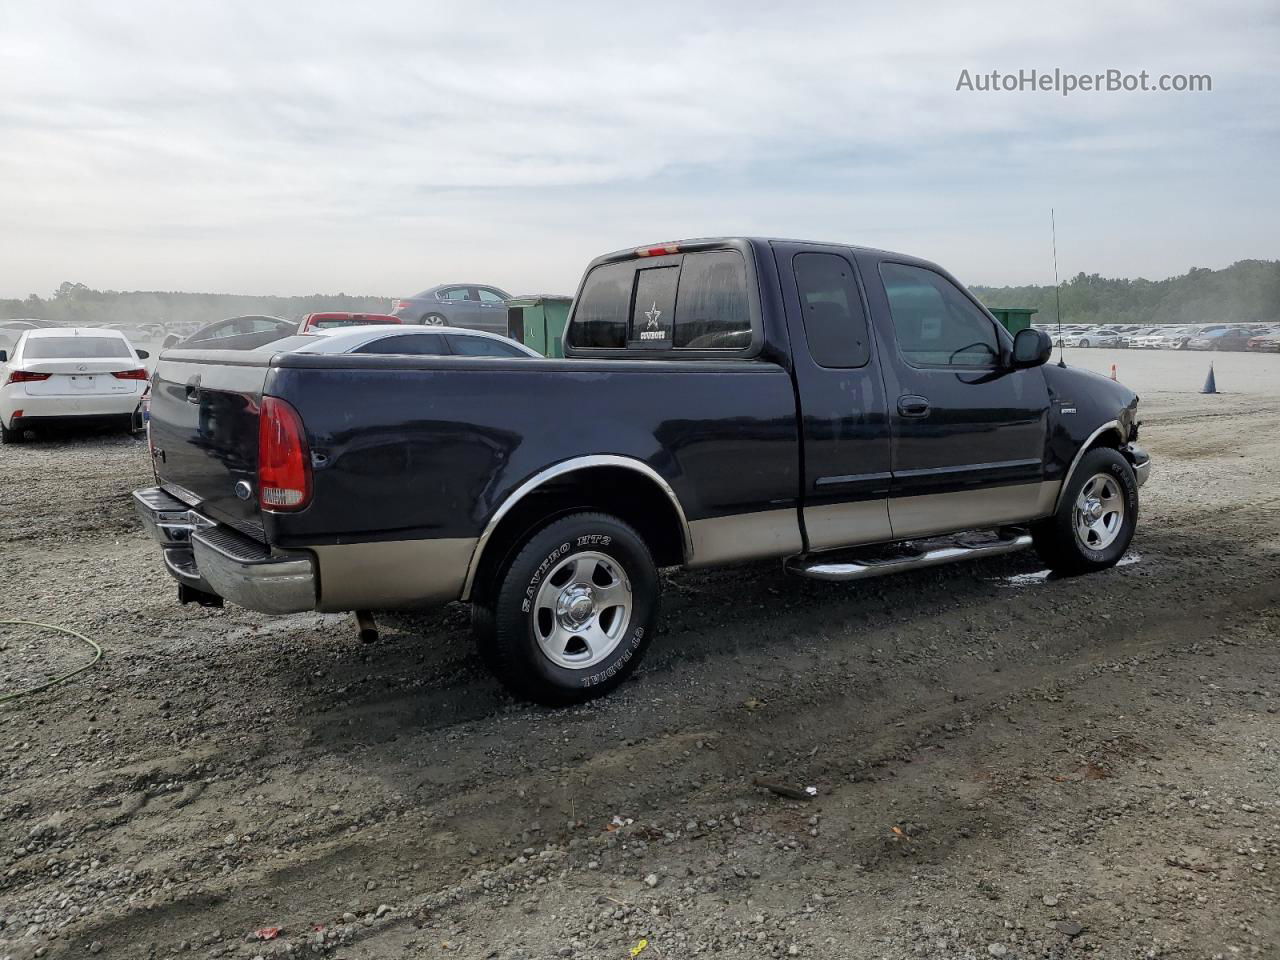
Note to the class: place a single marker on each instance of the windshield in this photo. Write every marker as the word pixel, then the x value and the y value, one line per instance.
pixel 76 348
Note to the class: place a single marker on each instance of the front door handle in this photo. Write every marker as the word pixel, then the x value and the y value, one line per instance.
pixel 913 406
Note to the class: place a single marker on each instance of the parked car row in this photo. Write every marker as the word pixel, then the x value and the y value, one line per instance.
pixel 1213 336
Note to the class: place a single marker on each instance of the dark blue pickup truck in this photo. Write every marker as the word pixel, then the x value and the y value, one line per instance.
pixel 721 400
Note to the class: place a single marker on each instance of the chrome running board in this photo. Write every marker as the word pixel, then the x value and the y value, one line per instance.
pixel 832 567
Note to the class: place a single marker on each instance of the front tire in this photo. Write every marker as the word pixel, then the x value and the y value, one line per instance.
pixel 574 611
pixel 1096 516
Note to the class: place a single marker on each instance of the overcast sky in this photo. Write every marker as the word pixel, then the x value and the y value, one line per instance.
pixel 381 147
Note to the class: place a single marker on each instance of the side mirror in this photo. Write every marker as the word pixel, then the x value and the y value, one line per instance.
pixel 1031 348
pixel 142 354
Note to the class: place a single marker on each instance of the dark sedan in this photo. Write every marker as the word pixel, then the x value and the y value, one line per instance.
pixel 1225 339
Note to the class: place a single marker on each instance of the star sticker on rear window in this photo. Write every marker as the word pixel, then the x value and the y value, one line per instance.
pixel 652 314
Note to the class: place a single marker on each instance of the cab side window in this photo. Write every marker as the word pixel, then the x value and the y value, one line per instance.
pixel 834 322
pixel 937 325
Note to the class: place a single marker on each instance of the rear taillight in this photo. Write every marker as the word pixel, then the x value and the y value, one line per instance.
pixel 25 376
pixel 402 305
pixel 130 374
pixel 284 460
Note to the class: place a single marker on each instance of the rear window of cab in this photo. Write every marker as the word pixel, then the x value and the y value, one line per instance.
pixel 691 301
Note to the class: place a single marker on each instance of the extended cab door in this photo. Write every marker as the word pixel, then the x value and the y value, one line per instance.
pixel 969 435
pixel 843 413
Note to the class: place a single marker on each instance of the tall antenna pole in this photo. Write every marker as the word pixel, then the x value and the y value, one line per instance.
pixel 1057 290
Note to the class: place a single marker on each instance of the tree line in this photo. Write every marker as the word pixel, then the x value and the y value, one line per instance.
pixel 77 304
pixel 1248 291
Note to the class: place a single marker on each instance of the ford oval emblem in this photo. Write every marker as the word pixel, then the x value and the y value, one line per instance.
pixel 243 490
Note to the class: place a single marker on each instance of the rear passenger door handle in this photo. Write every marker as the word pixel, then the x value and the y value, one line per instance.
pixel 913 406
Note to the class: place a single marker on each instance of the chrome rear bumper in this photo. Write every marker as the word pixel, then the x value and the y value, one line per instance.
pixel 216 560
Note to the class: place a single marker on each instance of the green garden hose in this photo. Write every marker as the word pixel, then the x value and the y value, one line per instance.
pixel 97 655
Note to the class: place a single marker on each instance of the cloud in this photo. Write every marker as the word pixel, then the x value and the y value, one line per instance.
pixel 383 146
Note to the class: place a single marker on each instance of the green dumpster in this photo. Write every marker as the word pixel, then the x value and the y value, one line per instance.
pixel 1013 319
pixel 538 322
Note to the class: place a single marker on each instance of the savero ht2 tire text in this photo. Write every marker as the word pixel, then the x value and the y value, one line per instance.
pixel 574 611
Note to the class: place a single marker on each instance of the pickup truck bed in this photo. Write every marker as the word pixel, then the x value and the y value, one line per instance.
pixel 722 400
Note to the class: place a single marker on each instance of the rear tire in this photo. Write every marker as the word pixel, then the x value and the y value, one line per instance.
pixel 12 436
pixel 1096 516
pixel 434 320
pixel 574 611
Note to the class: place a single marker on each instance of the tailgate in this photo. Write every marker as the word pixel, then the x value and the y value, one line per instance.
pixel 204 429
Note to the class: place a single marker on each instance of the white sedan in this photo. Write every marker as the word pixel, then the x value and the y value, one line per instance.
pixel 70 374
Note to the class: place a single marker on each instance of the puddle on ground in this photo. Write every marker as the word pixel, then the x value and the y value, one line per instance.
pixel 1042 576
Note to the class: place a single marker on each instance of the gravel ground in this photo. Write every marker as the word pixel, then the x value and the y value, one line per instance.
pixel 1006 764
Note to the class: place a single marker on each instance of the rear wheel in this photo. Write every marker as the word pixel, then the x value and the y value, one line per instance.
pixel 12 436
pixel 1096 516
pixel 434 320
pixel 574 611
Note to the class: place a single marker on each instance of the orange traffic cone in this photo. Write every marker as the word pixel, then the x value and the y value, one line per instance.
pixel 1113 371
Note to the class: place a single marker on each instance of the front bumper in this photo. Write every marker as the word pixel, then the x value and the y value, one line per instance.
pixel 213 559
pixel 1139 459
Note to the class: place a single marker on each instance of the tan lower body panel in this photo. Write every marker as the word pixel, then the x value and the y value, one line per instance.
pixel 745 536
pixel 392 573
pixel 847 524
pixel 939 513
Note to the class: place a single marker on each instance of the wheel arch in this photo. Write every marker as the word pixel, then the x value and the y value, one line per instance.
pixel 623 486
pixel 1107 435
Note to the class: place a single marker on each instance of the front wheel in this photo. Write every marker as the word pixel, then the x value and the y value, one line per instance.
pixel 1084 343
pixel 1096 516
pixel 574 611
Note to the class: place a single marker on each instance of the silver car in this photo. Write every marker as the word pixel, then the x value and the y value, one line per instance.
pixel 468 305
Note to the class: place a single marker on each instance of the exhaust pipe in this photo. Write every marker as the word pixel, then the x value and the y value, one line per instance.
pixel 368 628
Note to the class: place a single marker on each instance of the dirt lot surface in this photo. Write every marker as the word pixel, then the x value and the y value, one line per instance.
pixel 1006 765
